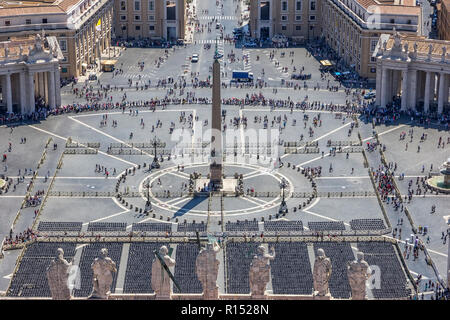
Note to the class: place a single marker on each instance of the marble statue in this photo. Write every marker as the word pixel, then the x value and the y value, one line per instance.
pixel 358 272
pixel 207 268
pixel 6 52
pixel 58 277
pixel 415 47
pixel 160 277
pixel 384 45
pixel 406 47
pixel 444 52
pixel 321 273
pixel 20 51
pixel 260 272
pixel 430 49
pixel 103 269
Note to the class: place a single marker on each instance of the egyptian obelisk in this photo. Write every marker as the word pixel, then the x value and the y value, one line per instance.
pixel 216 128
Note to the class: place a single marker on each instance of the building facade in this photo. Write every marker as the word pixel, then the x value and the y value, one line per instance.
pixel 83 28
pixel 350 27
pixel 415 70
pixel 150 19
pixel 29 73
pixel 443 21
pixel 296 19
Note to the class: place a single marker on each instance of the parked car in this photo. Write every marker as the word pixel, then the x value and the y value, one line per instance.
pixel 194 58
pixel 369 95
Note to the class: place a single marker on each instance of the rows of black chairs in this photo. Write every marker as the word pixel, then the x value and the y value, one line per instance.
pixel 389 280
pixel 30 280
pixel 239 257
pixel 90 252
pixel 152 227
pixel 242 226
pixel 340 254
pixel 107 226
pixel 185 271
pixel 326 226
pixel 191 227
pixel 59 226
pixel 291 269
pixel 139 267
pixel 367 224
pixel 283 225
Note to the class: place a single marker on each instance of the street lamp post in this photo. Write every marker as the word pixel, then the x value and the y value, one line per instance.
pixel 155 164
pixel 148 204
pixel 283 206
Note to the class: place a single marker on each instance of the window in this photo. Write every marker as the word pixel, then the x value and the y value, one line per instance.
pixel 283 28
pixel 312 18
pixel 298 28
pixel 265 10
pixel 284 6
pixel 123 18
pixel 137 5
pixel 151 5
pixel 138 28
pixel 284 18
pixel 408 22
pixel 298 18
pixel 373 59
pixel 151 28
pixel 7 23
pixel 298 5
pixel 44 20
pixel 124 28
pixel 171 10
pixel 373 44
pixel 28 21
pixel 137 18
pixel 392 20
pixel 63 45
pixel 123 5
pixel 312 6
pixel 64 70
pixel 373 70
pixel 151 18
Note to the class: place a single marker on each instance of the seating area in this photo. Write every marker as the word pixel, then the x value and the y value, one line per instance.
pixel 283 225
pixel 367 224
pixel 191 227
pixel 30 280
pixel 393 279
pixel 242 226
pixel 138 276
pixel 107 226
pixel 185 273
pixel 340 254
pixel 291 269
pixel 90 252
pixel 326 226
pixel 239 257
pixel 46 226
pixel 152 227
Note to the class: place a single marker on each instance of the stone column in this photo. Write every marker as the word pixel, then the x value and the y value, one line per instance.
pixel 395 80
pixel 426 102
pixel 446 87
pixel 404 89
pixel 378 85
pixel 441 92
pixel 8 93
pixel 51 89
pixel 57 86
pixel 412 95
pixel 31 102
pixel 23 94
pixel 384 87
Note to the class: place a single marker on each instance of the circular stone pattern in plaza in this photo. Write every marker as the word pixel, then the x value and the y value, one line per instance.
pixel 169 190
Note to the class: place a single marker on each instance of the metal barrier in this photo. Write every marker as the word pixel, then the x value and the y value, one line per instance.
pixel 343 143
pixel 301 151
pixel 140 145
pixel 81 151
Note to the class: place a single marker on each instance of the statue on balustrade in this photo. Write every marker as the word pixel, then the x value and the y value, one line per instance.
pixel 160 277
pixel 260 272
pixel 321 274
pixel 58 277
pixel 103 269
pixel 207 268
pixel 358 272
